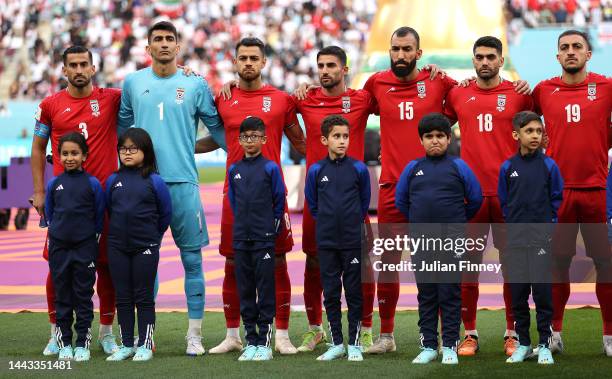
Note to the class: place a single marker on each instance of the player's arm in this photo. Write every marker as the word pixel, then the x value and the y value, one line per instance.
pixel 449 109
pixel 310 190
pixel 402 191
pixel 207 112
pixel 206 145
pixel 42 132
pixel 125 118
pixel 295 134
pixel 164 203
pixel 364 188
pixel 502 187
pixel 278 193
pixel 473 191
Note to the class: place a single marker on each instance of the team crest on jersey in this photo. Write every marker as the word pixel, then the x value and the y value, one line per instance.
pixel 180 95
pixel 346 104
pixel 592 91
pixel 501 103
pixel 421 89
pixel 95 107
pixel 267 104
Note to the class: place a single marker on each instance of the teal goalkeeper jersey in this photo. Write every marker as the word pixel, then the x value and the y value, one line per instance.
pixel 169 110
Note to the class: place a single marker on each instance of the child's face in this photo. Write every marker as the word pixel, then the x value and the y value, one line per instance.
pixel 72 156
pixel 435 143
pixel 337 141
pixel 529 136
pixel 252 141
pixel 130 155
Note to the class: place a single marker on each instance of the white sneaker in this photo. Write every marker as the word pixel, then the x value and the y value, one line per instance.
pixel 194 346
pixel 607 345
pixel 556 344
pixel 284 346
pixel 52 347
pixel 227 345
pixel 384 344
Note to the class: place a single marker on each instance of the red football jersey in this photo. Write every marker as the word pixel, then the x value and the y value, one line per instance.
pixel 94 116
pixel 577 119
pixel 401 106
pixel 275 107
pixel 354 105
pixel 485 119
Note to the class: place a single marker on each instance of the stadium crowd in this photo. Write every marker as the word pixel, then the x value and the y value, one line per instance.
pixel 115 32
pixel 580 13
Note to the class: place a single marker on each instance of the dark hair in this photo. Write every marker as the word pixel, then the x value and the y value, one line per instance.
pixel 523 118
pixel 143 142
pixel 335 51
pixel 404 31
pixel 252 41
pixel 434 122
pixel 162 25
pixel 76 49
pixel 253 124
pixel 330 121
pixel 488 41
pixel 75 137
pixel 572 32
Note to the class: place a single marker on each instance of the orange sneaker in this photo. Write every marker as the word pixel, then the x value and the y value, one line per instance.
pixel 469 346
pixel 510 345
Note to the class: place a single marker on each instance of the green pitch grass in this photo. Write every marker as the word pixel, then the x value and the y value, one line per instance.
pixel 22 337
pixel 212 174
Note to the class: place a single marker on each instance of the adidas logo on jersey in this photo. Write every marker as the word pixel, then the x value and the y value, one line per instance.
pixel 391 89
pixel 234 103
pixel 267 256
pixel 60 187
pixel 420 173
pixel 542 252
pixel 471 99
pixel 91 265
pixel 66 110
pixel 237 176
pixel 146 252
pixel 118 185
pixel 324 179
pixel 514 175
pixel 355 261
pixel 555 90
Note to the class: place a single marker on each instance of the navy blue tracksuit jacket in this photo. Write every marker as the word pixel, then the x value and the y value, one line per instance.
pixel 438 190
pixel 338 194
pixel 530 192
pixel 257 196
pixel 74 209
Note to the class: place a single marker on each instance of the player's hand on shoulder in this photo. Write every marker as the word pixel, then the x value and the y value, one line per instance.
pixel 226 90
pixel 302 91
pixel 522 87
pixel 466 82
pixel 434 70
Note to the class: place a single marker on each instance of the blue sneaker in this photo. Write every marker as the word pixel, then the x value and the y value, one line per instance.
pixel 142 354
pixel 108 343
pixel 81 354
pixel 122 354
pixel 66 354
pixel 449 356
pixel 334 352
pixel 248 353
pixel 520 354
pixel 354 353
pixel 52 347
pixel 263 353
pixel 545 356
pixel 426 355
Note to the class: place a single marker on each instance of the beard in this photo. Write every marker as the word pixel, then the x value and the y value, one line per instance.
pixel 81 84
pixel 401 72
pixel 249 77
pixel 491 74
pixel 572 70
pixel 330 84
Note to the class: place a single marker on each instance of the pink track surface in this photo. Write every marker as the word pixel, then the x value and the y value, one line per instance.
pixel 23 271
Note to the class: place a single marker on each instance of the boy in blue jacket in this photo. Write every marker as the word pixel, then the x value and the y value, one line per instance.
pixel 530 193
pixel 257 196
pixel 438 189
pixel 338 195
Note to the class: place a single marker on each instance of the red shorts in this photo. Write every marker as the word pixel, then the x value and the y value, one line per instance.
pixel 309 241
pixel 284 241
pixel 102 257
pixel 490 212
pixel 387 211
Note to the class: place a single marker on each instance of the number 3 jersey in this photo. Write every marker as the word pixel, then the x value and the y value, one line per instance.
pixel 94 116
pixel 401 106
pixel 485 120
pixel 578 121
